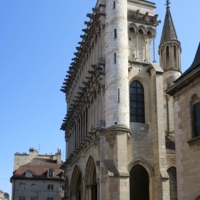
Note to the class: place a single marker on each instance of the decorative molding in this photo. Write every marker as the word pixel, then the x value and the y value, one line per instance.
pixel 144 164
pixel 182 84
pixel 110 137
pixel 91 139
pixel 136 16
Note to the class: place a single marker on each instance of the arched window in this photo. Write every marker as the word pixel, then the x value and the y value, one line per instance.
pixel 76 190
pixel 195 115
pixel 141 45
pixel 91 179
pixel 136 102
pixel 174 53
pixel 167 57
pixel 139 183
pixel 132 44
pixel 196 108
pixel 173 183
pixel 175 57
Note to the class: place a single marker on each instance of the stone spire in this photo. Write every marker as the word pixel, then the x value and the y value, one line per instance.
pixel 170 50
pixel 169 32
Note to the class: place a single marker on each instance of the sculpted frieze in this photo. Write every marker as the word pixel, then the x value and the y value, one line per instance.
pixel 136 16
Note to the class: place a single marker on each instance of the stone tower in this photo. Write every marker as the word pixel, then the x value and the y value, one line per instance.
pixel 170 50
pixel 116 57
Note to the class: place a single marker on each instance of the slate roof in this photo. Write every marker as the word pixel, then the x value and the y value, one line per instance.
pixel 195 64
pixel 39 168
pixel 169 32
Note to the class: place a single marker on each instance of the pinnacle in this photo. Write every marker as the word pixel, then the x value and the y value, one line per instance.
pixel 169 32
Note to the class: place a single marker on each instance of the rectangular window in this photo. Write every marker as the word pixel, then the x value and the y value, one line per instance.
pixel 115 33
pixel 33 187
pixel 197 120
pixel 22 198
pixel 49 198
pixel 33 198
pixel 50 173
pixel 113 4
pixel 22 186
pixel 115 58
pixel 28 174
pixel 50 187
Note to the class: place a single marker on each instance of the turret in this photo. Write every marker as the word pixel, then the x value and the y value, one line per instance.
pixel 170 50
pixel 116 54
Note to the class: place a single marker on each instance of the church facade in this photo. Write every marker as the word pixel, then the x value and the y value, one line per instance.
pixel 119 126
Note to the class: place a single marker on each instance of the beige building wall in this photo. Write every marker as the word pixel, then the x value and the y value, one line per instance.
pixel 187 146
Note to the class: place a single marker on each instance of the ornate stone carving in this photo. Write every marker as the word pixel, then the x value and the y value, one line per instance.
pixel 136 16
pixel 110 137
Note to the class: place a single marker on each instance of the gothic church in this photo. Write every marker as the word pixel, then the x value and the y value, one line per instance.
pixel 119 126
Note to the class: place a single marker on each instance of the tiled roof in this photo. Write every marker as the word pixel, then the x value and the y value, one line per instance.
pixel 39 168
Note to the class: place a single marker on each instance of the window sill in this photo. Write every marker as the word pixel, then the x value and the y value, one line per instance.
pixel 193 140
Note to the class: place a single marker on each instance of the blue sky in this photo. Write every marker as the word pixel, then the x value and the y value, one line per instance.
pixel 37 41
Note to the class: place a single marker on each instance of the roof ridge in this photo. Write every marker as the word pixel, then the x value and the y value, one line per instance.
pixel 194 65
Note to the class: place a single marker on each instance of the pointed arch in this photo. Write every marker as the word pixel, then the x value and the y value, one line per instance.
pixel 152 31
pixel 133 26
pixel 142 28
pixel 143 163
pixel 172 182
pixel 132 34
pixel 175 56
pixel 90 181
pixel 195 196
pixel 141 38
pixel 167 58
pixel 141 178
pixel 66 188
pixel 139 183
pixel 76 184
pixel 195 110
pixel 137 109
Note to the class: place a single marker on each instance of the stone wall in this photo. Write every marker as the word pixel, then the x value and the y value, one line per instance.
pixel 187 147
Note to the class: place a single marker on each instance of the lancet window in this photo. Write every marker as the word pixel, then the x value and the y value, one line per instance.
pixel 137 102
pixel 196 108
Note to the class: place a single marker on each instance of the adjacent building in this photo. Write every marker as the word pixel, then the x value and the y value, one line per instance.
pixel 4 195
pixel 186 93
pixel 37 176
pixel 119 125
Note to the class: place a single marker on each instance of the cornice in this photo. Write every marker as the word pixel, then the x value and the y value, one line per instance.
pixel 136 16
pixel 183 82
pixel 84 98
pixel 144 3
pixel 118 128
pixel 92 29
